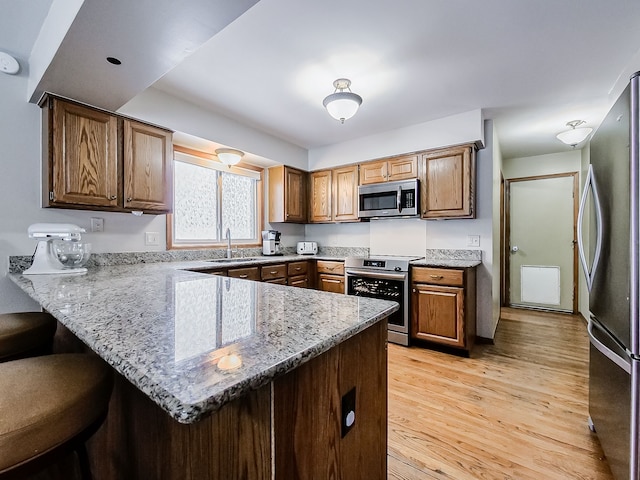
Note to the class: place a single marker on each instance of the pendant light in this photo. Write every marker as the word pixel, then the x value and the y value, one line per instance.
pixel 229 156
pixel 575 135
pixel 342 105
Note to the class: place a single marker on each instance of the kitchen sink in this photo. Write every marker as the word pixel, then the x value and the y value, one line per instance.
pixel 231 260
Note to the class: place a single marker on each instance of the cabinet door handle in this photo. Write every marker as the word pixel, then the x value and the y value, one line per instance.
pixel 129 199
pixel 298 269
pixel 243 276
pixel 328 280
pixel 112 197
pixel 273 272
pixel 437 277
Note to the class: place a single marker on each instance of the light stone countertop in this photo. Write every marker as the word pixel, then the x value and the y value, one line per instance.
pixel 447 263
pixel 165 328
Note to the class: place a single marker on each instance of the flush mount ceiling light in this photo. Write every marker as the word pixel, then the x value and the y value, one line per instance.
pixel 8 64
pixel 575 135
pixel 229 156
pixel 342 105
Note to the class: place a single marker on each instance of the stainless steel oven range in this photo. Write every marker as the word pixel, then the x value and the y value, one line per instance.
pixel 387 278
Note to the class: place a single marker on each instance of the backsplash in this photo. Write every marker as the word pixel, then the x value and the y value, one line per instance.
pixel 18 264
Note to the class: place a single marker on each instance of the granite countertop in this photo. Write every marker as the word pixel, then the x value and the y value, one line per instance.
pixel 170 331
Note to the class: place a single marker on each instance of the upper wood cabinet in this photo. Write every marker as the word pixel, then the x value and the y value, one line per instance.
pixel 389 169
pixel 448 182
pixel 334 195
pixel 345 194
pixel 147 165
pixel 83 164
pixel 287 195
pixel 89 164
pixel 320 187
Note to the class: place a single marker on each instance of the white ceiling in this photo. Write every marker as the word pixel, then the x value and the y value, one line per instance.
pixel 531 66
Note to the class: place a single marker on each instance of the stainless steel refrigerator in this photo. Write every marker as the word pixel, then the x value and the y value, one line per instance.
pixel 610 263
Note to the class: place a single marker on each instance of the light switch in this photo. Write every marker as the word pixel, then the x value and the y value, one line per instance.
pixel 97 224
pixel 473 241
pixel 151 238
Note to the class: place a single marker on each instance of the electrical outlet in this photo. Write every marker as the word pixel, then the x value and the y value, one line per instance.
pixel 473 240
pixel 151 238
pixel 97 224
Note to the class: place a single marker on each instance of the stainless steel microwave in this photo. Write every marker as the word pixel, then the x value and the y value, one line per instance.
pixel 389 199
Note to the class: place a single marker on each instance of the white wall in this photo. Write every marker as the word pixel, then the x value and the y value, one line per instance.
pixel 453 130
pixel 413 236
pixel 562 162
pixel 497 215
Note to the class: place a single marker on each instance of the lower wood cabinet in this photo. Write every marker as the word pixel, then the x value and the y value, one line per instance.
pixel 443 306
pixel 330 276
pixel 298 274
pixel 247 273
pixel 271 273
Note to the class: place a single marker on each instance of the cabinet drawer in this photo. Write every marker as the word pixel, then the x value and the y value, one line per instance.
pixel 277 281
pixel 297 268
pixel 270 272
pixel 334 268
pixel 301 281
pixel 248 273
pixel 331 283
pixel 438 276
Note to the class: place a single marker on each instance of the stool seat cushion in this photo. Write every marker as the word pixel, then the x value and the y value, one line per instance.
pixel 46 401
pixel 20 332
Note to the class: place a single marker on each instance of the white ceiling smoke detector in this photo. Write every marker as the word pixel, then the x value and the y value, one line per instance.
pixel 8 64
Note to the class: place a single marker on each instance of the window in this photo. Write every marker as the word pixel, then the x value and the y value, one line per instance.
pixel 209 197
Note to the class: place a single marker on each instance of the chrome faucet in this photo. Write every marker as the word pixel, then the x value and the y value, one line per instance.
pixel 228 237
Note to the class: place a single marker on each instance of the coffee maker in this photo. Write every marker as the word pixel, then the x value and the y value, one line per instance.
pixel 271 242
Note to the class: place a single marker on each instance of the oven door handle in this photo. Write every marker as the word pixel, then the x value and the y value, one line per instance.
pixel 376 274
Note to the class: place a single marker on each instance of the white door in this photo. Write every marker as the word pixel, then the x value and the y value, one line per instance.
pixel 541 241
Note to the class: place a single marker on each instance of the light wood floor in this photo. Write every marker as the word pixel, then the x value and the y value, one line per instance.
pixel 514 410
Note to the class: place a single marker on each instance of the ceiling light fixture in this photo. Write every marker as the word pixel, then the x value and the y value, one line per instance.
pixel 8 64
pixel 342 105
pixel 229 156
pixel 575 135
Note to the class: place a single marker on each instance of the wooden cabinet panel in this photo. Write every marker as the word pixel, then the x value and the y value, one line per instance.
pixel 320 196
pixel 330 267
pixel 389 169
pixel 402 168
pixel 301 281
pixel 443 306
pixel 438 276
pixel 297 268
pixel 345 194
pixel 439 314
pixel 307 406
pixel 247 273
pixel 287 195
pixel 330 283
pixel 373 172
pixel 147 167
pixel 448 183
pixel 83 156
pixel 277 281
pixel 271 272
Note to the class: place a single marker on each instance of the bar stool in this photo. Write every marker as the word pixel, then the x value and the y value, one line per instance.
pixel 25 333
pixel 49 406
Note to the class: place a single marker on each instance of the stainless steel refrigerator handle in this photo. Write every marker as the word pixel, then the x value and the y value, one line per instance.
pixel 590 184
pixel 399 199
pixel 622 362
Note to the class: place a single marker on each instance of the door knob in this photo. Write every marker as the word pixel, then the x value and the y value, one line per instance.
pixel 514 249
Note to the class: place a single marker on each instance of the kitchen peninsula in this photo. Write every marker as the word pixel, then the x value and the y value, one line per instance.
pixel 219 377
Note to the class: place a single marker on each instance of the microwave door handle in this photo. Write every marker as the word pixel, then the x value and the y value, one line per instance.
pixel 399 199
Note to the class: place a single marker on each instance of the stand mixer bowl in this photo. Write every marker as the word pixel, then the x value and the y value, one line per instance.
pixel 71 254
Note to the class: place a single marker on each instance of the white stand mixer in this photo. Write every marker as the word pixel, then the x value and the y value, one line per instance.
pixel 44 259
